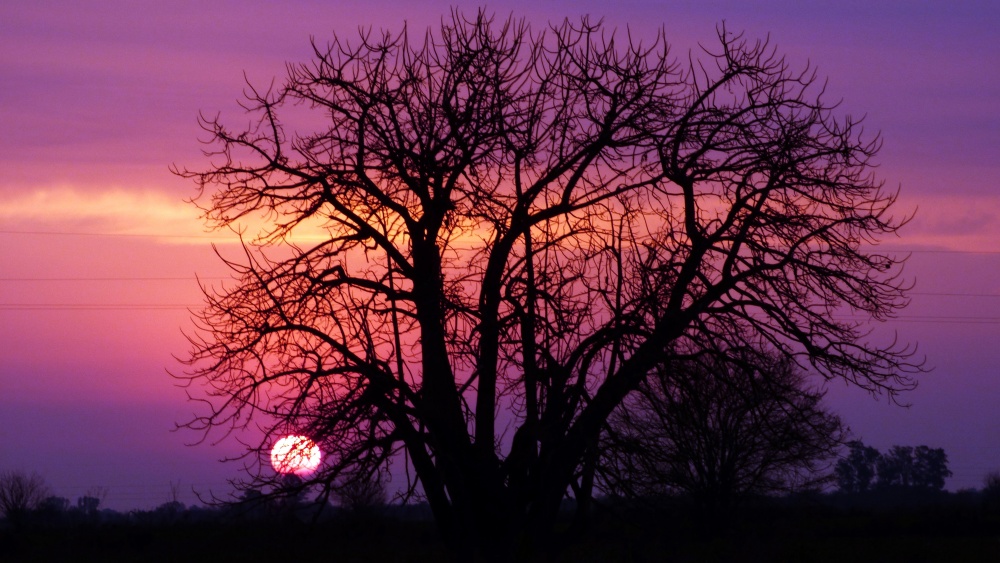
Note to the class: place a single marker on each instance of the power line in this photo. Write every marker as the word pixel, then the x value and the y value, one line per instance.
pixel 943 251
pixel 948 294
pixel 85 234
pixel 120 278
pixel 211 237
pixel 951 321
pixel 94 307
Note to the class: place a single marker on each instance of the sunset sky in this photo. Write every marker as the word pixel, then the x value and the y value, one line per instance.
pixel 99 250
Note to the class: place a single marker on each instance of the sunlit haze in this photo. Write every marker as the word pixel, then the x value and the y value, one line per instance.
pixel 295 454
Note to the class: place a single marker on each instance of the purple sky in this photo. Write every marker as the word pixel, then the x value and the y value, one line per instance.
pixel 98 98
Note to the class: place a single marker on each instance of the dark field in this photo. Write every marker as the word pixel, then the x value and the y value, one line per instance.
pixel 948 527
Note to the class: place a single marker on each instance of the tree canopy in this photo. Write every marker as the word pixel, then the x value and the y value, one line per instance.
pixel 720 426
pixel 518 224
pixel 20 493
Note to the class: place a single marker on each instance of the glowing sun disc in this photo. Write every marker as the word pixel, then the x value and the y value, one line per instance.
pixel 295 454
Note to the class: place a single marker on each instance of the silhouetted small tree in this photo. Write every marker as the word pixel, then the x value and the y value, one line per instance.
pixel 169 512
pixel 20 493
pixel 895 467
pixel 992 481
pixel 719 426
pixel 856 471
pixel 920 467
pixel 252 504
pixel 362 497
pixel 991 490
pixel 930 467
pixel 89 504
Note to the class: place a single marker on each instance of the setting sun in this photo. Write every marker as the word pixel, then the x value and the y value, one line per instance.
pixel 295 455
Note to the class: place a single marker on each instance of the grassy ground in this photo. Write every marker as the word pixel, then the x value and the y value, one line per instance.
pixel 947 531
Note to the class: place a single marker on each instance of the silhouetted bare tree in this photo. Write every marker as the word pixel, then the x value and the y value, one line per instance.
pixel 362 498
pixel 21 493
pixel 719 426
pixel 516 224
pixel 991 490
